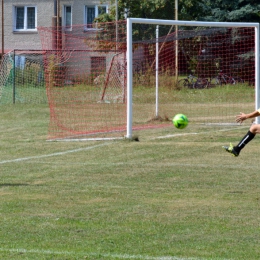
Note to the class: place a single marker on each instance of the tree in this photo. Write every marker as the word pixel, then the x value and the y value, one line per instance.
pixel 154 9
pixel 196 10
pixel 231 11
pixel 192 10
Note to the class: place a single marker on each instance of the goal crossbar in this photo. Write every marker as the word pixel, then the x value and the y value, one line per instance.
pixel 131 21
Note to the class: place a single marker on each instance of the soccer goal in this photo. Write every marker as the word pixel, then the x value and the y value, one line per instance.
pixel 193 52
pixel 108 80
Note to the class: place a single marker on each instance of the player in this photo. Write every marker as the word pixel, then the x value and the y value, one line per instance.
pixel 253 130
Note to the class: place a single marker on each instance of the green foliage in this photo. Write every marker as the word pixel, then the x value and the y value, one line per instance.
pixel 191 10
pixel 56 71
pixel 232 11
pixel 104 18
pixel 198 10
pixel 31 75
pixel 162 9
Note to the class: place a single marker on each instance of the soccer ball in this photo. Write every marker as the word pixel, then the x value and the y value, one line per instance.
pixel 180 121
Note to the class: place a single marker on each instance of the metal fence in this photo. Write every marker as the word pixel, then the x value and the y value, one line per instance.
pixel 22 77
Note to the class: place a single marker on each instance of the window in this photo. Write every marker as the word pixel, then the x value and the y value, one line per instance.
pixel 91 12
pixel 25 18
pixel 67 17
pixel 102 9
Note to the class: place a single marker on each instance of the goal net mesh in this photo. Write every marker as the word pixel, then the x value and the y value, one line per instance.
pixel 22 78
pixel 85 75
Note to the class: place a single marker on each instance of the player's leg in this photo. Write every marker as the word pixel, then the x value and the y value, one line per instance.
pixel 254 129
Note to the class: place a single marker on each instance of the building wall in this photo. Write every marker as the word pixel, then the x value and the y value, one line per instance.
pixel 25 40
pixel 45 12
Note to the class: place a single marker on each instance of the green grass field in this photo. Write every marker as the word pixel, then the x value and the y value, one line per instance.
pixel 175 195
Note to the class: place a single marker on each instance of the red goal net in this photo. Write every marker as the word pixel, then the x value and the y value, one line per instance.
pixel 85 74
pixel 206 73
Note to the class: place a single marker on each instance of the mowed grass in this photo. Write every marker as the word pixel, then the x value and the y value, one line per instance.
pixel 173 195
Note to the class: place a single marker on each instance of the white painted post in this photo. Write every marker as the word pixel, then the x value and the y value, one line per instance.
pixel 257 82
pixel 157 73
pixel 129 61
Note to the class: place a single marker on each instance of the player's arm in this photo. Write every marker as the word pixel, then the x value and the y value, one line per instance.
pixel 242 117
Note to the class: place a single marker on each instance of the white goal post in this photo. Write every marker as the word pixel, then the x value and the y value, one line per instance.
pixel 131 21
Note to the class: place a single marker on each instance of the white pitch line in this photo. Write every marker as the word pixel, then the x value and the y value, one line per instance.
pixel 174 135
pixel 52 154
pixel 185 134
pixel 118 256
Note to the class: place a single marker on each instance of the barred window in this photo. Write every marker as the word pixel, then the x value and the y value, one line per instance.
pixel 91 12
pixel 68 16
pixel 25 18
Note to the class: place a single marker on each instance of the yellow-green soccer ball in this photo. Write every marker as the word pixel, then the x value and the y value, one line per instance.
pixel 180 121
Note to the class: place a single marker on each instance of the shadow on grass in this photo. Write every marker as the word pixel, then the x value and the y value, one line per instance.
pixel 17 184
